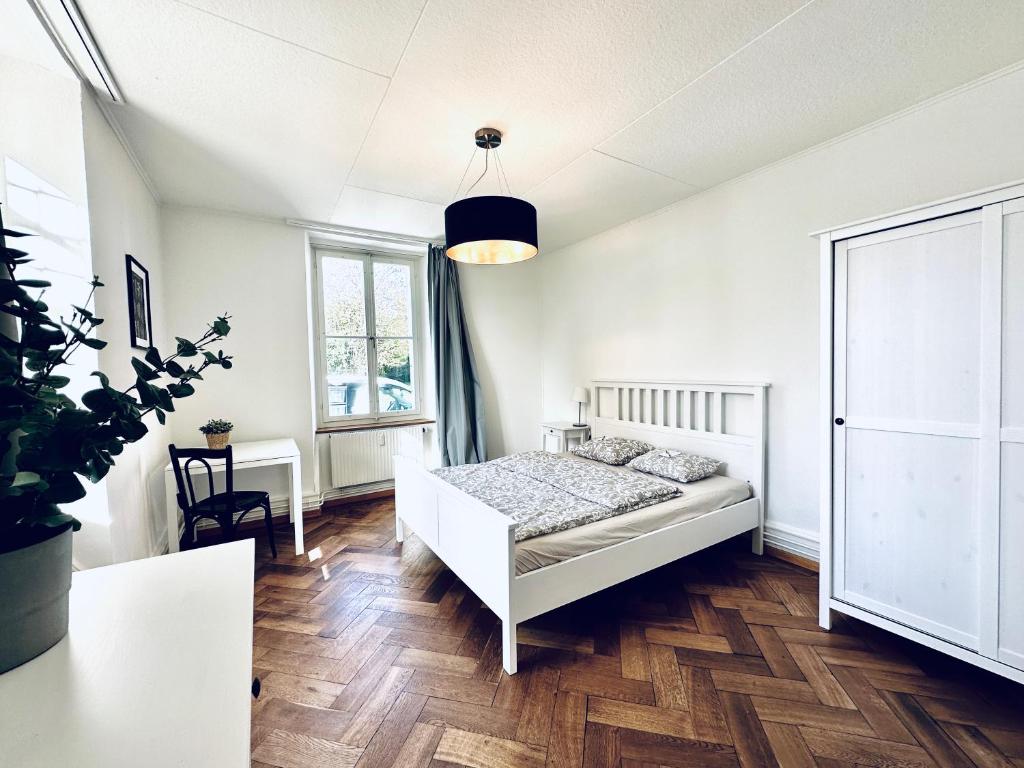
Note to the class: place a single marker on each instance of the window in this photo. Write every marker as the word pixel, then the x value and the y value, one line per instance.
pixel 369 336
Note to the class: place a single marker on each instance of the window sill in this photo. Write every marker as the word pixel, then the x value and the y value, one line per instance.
pixel 373 425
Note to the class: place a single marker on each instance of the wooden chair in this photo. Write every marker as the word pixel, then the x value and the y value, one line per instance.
pixel 219 507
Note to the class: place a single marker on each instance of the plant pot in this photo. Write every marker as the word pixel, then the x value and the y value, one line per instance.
pixel 34 598
pixel 218 441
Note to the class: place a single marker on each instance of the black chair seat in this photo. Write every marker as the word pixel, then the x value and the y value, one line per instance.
pixel 243 501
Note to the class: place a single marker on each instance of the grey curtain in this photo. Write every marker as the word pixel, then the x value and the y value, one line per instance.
pixel 460 408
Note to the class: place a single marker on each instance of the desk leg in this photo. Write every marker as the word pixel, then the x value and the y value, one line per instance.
pixel 170 490
pixel 295 504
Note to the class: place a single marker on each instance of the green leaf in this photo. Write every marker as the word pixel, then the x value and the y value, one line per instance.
pixel 144 371
pixel 226 363
pixel 132 430
pixel 221 327
pixel 25 478
pixel 97 469
pixel 13 233
pixel 148 394
pixel 154 359
pixel 52 381
pixel 57 520
pixel 64 488
pixel 94 343
pixel 100 402
pixel 181 390
pixel 161 416
pixel 32 283
pixel 36 337
pixel 82 311
pixel 164 399
pixel 9 291
pixel 210 357
pixel 185 347
pixel 76 418
pixel 173 369
pixel 104 379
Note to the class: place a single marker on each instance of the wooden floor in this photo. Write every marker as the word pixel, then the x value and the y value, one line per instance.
pixel 373 654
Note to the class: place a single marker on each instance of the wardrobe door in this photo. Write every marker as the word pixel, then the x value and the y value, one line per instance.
pixel 908 384
pixel 1011 527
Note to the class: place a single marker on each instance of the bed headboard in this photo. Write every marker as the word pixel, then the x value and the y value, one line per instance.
pixel 724 420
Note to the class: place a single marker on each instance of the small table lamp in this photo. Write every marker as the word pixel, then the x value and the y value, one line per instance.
pixel 581 396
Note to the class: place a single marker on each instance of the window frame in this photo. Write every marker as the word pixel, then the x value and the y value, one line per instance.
pixel 369 258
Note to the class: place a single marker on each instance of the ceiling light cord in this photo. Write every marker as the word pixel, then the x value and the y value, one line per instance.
pixel 464 173
pixel 487 166
pixel 499 171
pixel 502 174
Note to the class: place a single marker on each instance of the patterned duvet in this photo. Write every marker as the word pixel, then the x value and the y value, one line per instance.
pixel 545 492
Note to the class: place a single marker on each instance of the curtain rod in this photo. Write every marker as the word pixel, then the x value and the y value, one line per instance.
pixel 365 234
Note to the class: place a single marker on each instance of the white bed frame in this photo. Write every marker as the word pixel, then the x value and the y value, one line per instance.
pixel 723 420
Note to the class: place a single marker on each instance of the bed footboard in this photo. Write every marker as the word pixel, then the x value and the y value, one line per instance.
pixel 475 541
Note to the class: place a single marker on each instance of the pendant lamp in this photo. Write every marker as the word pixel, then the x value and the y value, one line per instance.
pixel 490 229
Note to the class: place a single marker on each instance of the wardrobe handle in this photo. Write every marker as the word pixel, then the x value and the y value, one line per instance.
pixel 840 421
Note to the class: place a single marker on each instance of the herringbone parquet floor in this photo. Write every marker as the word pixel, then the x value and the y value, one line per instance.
pixel 373 654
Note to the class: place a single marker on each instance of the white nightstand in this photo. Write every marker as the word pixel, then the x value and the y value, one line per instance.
pixel 560 436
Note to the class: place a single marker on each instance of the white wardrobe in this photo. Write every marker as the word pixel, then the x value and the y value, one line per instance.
pixel 922 349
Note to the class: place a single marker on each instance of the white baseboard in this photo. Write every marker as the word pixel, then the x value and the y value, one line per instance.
pixel 789 538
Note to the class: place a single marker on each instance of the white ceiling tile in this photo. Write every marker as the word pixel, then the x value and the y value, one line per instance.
pixel 382 212
pixel 595 193
pixel 365 34
pixel 829 69
pixel 225 117
pixel 557 76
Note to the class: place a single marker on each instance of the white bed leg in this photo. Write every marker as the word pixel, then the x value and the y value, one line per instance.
pixel 399 529
pixel 757 541
pixel 508 646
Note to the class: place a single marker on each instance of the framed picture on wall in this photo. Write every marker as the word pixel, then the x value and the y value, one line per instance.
pixel 140 315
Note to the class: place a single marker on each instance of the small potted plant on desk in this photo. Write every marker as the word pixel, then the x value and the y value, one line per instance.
pixel 218 432
pixel 48 442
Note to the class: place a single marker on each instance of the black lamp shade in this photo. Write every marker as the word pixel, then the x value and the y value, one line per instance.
pixel 490 229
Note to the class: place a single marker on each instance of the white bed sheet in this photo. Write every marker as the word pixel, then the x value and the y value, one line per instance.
pixel 697 499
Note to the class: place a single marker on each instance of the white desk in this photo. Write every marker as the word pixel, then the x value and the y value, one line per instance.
pixel 155 670
pixel 257 453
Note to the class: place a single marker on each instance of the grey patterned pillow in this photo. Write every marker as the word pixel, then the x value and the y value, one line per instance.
pixel 612 450
pixel 675 465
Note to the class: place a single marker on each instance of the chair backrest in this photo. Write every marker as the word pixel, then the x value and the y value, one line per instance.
pixel 181 461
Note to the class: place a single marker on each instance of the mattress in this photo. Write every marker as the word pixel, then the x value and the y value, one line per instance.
pixel 697 499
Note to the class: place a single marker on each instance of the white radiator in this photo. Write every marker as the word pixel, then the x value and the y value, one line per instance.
pixel 365 456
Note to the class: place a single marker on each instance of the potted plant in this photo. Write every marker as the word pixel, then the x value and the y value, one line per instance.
pixel 218 432
pixel 49 443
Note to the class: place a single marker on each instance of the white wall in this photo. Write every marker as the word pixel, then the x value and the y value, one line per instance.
pixel 43 188
pixel 503 312
pixel 255 270
pixel 66 177
pixel 124 218
pixel 724 284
